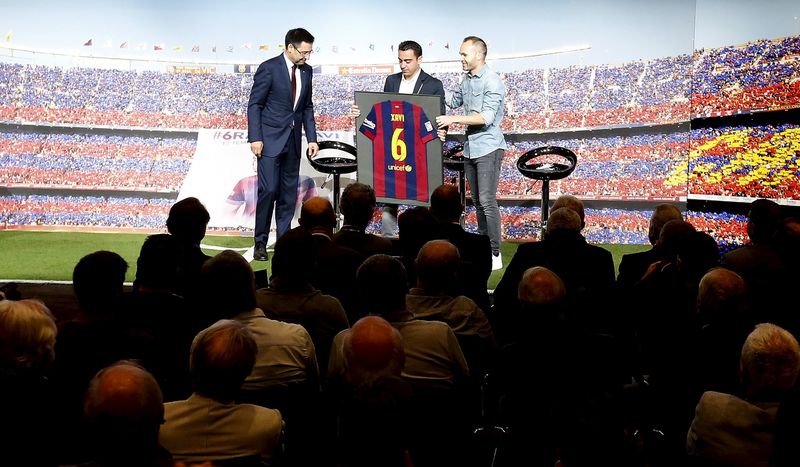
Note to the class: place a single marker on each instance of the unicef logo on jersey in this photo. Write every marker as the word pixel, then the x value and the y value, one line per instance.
pixel 399 168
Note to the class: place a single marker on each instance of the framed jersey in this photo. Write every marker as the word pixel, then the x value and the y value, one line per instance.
pixel 399 153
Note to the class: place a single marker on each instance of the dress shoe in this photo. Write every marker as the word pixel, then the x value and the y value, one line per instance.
pixel 260 252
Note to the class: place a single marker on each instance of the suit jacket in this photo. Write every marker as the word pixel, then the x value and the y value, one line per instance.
pixel 633 266
pixel 727 430
pixel 270 112
pixel 587 271
pixel 336 272
pixel 475 266
pixel 200 429
pixel 366 244
pixel 426 84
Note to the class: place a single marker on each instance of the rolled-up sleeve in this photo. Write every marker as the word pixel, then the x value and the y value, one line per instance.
pixel 492 100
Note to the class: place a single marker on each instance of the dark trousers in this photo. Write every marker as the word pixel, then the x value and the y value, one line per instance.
pixel 277 190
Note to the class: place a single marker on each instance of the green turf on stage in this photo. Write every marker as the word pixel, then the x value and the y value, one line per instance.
pixel 53 255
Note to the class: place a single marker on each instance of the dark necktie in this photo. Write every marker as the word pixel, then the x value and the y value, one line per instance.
pixel 294 84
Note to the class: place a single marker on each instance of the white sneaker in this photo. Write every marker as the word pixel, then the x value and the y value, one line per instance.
pixel 497 262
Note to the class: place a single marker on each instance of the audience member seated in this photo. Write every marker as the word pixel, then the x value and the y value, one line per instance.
pixel 124 413
pixel 738 430
pixel 187 221
pixel 761 265
pixel 357 206
pixel 474 250
pixel 336 268
pixel 285 375
pixel 292 298
pixel 210 425
pixel 416 226
pixel 91 341
pixel 373 401
pixel 285 350
pixel 587 270
pixel 434 298
pixel 159 317
pixel 723 316
pixel 27 341
pixel 560 394
pixel 633 265
pixel 434 365
pixel 666 301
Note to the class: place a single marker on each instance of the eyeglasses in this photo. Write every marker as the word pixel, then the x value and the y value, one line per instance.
pixel 307 53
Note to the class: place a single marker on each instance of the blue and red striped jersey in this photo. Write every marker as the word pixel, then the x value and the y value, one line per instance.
pixel 399 132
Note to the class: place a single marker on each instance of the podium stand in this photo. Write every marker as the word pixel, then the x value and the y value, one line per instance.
pixel 539 164
pixel 453 159
pixel 335 158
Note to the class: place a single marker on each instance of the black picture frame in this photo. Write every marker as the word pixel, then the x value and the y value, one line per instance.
pixel 431 105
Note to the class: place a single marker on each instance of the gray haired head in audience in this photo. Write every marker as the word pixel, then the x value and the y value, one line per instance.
pixel 770 363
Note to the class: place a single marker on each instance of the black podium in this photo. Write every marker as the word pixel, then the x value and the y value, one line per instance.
pixel 335 158
pixel 453 159
pixel 547 163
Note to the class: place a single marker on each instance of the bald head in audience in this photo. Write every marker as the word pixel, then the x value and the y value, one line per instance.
pixel 317 216
pixel 373 348
pixel 221 358
pixel 437 266
pixel 541 287
pixel 124 408
pixel 542 302
pixel 722 296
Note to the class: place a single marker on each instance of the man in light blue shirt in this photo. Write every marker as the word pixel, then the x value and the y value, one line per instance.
pixel 482 93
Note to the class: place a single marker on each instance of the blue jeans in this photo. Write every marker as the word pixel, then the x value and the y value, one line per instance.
pixel 389 226
pixel 483 175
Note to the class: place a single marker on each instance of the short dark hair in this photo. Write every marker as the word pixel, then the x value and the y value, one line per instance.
pixel 446 203
pixel 294 260
pixel 98 281
pixel 382 284
pixel 158 262
pixel 763 220
pixel 229 283
pixel 188 219
pixel 358 204
pixel 410 45
pixel 297 36
pixel 478 42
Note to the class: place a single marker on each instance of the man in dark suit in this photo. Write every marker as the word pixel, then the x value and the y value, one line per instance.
pixel 587 270
pixel 280 103
pixel 336 265
pixel 634 265
pixel 357 206
pixel 474 250
pixel 411 80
